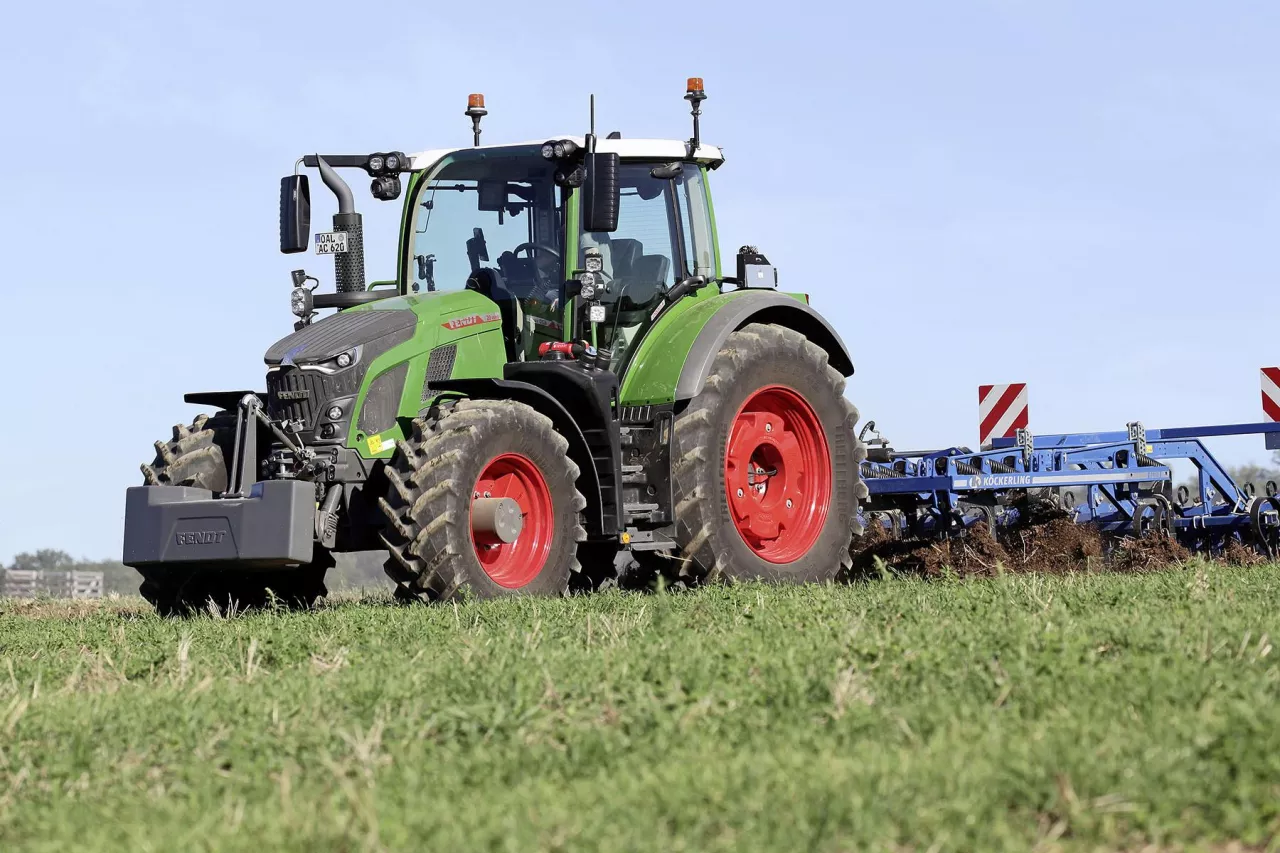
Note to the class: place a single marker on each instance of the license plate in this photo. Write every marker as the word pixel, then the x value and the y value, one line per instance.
pixel 331 243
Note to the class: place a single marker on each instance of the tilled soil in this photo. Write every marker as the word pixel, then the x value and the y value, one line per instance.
pixel 1048 542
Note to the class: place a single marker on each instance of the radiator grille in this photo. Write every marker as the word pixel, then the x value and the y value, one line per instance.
pixel 439 367
pixel 319 388
pixel 289 383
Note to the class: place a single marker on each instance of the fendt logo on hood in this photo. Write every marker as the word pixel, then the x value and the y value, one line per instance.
pixel 471 320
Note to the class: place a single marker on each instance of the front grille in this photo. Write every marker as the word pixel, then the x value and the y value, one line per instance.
pixel 292 381
pixel 319 388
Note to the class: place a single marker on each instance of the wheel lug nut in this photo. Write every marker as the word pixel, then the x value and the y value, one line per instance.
pixel 739 492
pixel 768 427
pixel 788 503
pixel 487 495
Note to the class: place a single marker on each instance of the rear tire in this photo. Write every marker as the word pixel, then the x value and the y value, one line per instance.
pixel 468 449
pixel 770 404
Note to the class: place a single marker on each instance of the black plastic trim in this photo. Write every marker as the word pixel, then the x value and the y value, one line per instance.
pixel 352 299
pixel 220 399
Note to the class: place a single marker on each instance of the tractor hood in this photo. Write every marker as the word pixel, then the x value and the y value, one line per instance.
pixel 343 332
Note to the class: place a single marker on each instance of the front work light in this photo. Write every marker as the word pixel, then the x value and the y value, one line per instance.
pixel 300 301
pixel 559 149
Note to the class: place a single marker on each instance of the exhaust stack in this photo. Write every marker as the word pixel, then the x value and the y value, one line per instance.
pixel 348 266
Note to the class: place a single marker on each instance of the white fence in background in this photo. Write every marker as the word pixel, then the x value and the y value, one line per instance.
pixel 22 583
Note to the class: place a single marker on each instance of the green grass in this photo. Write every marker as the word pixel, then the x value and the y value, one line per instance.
pixel 1082 712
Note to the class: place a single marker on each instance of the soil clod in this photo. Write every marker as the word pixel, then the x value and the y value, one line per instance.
pixel 1044 541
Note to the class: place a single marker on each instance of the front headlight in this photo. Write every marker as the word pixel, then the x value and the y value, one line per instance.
pixel 300 302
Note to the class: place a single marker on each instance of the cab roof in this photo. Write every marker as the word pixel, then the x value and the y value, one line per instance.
pixel 642 149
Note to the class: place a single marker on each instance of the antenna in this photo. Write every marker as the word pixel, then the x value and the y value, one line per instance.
pixel 591 135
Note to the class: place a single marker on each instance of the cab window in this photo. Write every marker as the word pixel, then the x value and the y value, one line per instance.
pixel 663 235
pixel 497 213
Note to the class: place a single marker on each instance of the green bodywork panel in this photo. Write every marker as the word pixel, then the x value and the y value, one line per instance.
pixel 652 374
pixel 461 317
pixel 472 322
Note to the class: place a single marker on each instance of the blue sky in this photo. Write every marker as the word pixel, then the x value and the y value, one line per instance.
pixel 1078 195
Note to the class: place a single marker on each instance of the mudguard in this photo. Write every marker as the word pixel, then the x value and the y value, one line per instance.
pixel 672 361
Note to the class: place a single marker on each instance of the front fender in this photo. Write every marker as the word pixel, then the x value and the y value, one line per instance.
pixel 673 359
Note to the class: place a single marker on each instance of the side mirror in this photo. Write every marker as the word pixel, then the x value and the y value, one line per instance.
pixel 295 214
pixel 600 194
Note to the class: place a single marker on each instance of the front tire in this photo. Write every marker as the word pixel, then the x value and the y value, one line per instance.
pixel 766 470
pixel 464 452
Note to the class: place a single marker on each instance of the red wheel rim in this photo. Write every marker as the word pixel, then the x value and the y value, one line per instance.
pixel 777 474
pixel 515 564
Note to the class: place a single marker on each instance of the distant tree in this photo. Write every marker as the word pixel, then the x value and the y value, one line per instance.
pixel 44 560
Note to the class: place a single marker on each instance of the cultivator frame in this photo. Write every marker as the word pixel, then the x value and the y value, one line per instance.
pixel 1124 478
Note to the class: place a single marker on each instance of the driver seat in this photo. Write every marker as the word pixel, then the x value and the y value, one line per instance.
pixel 490 284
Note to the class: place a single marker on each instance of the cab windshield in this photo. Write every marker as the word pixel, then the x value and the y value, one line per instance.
pixel 491 221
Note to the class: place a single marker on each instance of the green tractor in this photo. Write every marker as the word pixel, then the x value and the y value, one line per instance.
pixel 560 374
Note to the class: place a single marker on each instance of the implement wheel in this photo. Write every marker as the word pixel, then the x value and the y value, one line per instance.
pixel 766 469
pixel 482 495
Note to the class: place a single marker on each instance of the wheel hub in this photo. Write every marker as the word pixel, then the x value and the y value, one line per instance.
pixel 512 520
pixel 778 474
pixel 500 517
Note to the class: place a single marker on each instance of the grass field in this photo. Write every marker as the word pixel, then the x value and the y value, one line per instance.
pixel 1079 712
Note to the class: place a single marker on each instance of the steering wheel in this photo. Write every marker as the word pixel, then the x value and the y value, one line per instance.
pixel 528 248
pixel 543 280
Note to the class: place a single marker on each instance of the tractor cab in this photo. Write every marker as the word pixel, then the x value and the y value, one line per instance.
pixel 498 220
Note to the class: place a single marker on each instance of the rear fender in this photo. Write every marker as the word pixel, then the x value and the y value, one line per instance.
pixel 675 356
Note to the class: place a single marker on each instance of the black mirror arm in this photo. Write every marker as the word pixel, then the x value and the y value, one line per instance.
pixel 684 287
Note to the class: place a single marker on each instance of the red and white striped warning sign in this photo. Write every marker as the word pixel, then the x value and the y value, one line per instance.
pixel 1271 393
pixel 1002 411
